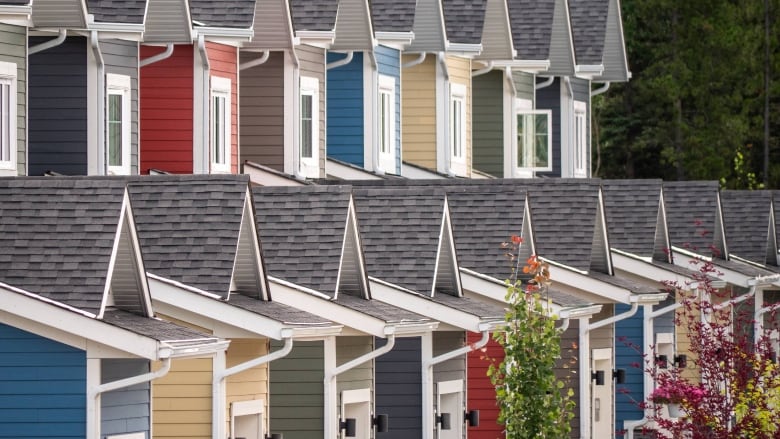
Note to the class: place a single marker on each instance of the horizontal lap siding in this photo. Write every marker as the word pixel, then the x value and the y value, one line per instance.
pixel 489 123
pixel 460 73
pixel 549 98
pixel 166 111
pixel 121 57
pixel 453 369
pixel 262 111
pixel 418 111
pixel 566 369
pixel 481 392
pixel 182 400
pixel 251 384
pixel 125 410
pixel 14 50
pixel 361 376
pixel 42 387
pixel 389 64
pixel 399 389
pixel 297 394
pixel 312 64
pixel 629 356
pixel 58 108
pixel 345 110
pixel 223 62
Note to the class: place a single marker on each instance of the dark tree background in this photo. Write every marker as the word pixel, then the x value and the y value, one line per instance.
pixel 694 108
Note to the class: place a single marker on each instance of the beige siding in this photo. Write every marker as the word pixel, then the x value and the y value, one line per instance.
pixel 250 384
pixel 262 111
pixel 418 110
pixel 496 34
pixel 272 26
pixel 312 63
pixel 460 73
pixel 181 401
pixel 352 26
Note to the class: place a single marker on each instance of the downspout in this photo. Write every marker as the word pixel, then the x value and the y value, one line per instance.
pixel 341 62
pixel 218 398
pixel 600 90
pixel 94 392
pixel 205 108
pixel 331 410
pixel 165 54
pixel 564 325
pixel 544 84
pixel 102 155
pixel 415 61
pixel 483 70
pixel 256 62
pixel 59 39
pixel 428 421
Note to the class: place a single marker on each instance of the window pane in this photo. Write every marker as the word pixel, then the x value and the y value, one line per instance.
pixel 218 130
pixel 5 123
pixel 542 141
pixel 457 141
pixel 522 148
pixel 115 130
pixel 383 114
pixel 306 126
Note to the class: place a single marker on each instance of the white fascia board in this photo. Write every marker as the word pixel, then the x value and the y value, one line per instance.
pixel 396 40
pixel 584 282
pixel 295 297
pixel 578 312
pixel 76 329
pixel 417 173
pixel 316 38
pixel 689 261
pixel 483 285
pixel 646 270
pixel 588 71
pixel 16 15
pixel 222 33
pixel 209 312
pixel 118 28
pixel 264 177
pixel 528 66
pixel 344 172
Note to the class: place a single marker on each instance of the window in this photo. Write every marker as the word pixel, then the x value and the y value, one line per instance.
pixel 580 140
pixel 386 122
pixel 8 118
pixel 309 127
pixel 118 123
pixel 458 129
pixel 221 119
pixel 534 138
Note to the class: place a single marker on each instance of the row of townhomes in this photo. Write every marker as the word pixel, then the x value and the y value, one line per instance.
pixel 317 253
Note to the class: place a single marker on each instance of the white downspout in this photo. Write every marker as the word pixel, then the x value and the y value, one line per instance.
pixel 600 90
pixel 544 84
pixel 218 397
pixel 415 61
pixel 256 62
pixel 204 152
pixel 331 425
pixel 94 392
pixel 484 70
pixel 428 361
pixel 63 33
pixel 102 152
pixel 341 62
pixel 165 54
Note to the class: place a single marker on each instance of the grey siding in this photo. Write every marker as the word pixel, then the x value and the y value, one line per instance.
pixel 566 369
pixel 121 58
pixel 399 389
pixel 125 410
pixel 454 369
pixel 488 131
pixel 524 85
pixel 561 50
pixel 428 27
pixel 581 89
pixel 14 50
pixel 58 108
pixel 615 68
pixel 362 376
pixel 262 111
pixel 312 63
pixel 549 98
pixel 496 34
pixel 272 26
pixel 297 391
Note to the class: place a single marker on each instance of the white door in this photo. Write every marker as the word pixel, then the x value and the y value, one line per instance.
pixel 449 399
pixel 356 404
pixel 246 419
pixel 602 395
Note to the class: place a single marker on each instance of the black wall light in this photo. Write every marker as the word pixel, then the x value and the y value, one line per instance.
pixel 381 422
pixel 681 360
pixel 619 376
pixel 275 436
pixel 662 361
pixel 349 426
pixel 598 376
pixel 444 420
pixel 472 417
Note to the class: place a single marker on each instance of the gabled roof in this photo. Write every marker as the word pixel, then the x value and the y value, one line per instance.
pixel 59 14
pixel 429 31
pixel 694 216
pixel 497 33
pixel 272 26
pixel 614 57
pixel 178 21
pixel 464 20
pixel 532 24
pixel 561 54
pixel 589 26
pixel 353 26
pixel 117 11
pixel 314 15
pixel 223 13
pixel 393 15
pixel 747 219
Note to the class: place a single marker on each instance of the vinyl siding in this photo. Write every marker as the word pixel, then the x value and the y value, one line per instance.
pixel 581 89
pixel 251 384
pixel 488 131
pixel 389 64
pixel 353 25
pixel 182 400
pixel 59 13
pixel 615 68
pixel 566 369
pixel 166 23
pixel 272 26
pixel 166 111
pixel 297 393
pixel 481 392
pixel 58 108
pixel 121 57
pixel 629 356
pixel 496 33
pixel 42 387
pixel 561 50
pixel 549 98
pixel 14 50
pixel 428 27
pixel 362 376
pixel 346 110
pixel 604 337
pixel 450 370
pixel 262 111
pixel 124 410
pixel 312 64
pixel 399 389
pixel 418 112
pixel 524 85
pixel 223 60
pixel 460 73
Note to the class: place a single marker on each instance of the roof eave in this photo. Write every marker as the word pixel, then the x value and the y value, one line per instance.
pixel 588 71
pixel 318 38
pixel 396 40
pixel 463 49
pixel 529 66
pixel 16 15
pixel 223 33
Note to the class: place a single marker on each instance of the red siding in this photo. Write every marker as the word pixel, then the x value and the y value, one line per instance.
pixel 224 63
pixel 481 393
pixel 166 111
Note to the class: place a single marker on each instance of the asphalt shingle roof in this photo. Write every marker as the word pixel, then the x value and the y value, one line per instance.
pixel 237 14
pixel 117 11
pixel 479 308
pixel 57 236
pixel 379 310
pixel 314 15
pixel 632 214
pixel 531 22
pixel 188 227
pixel 746 222
pixel 627 284
pixel 464 20
pixel 153 328
pixel 393 15
pixel 277 311
pixel 16 2
pixel 691 212
pixel 589 27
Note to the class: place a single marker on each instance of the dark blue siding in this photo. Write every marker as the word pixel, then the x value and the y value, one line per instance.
pixel 58 108
pixel 628 356
pixel 399 389
pixel 389 64
pixel 345 110
pixel 42 387
pixel 125 410
pixel 549 98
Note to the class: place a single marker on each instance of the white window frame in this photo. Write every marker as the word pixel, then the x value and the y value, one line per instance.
pixel 221 88
pixel 386 137
pixel 457 131
pixel 580 139
pixel 310 166
pixel 119 85
pixel 8 77
pixel 523 107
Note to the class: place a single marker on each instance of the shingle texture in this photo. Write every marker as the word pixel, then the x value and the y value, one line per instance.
pixel 302 233
pixel 314 15
pixel 632 214
pixel 589 27
pixel 117 11
pixel 393 15
pixel 380 310
pixel 464 20
pixel 224 13
pixel 277 311
pixel 57 236
pixel 691 211
pixel 156 329
pixel 188 227
pixel 746 222
pixel 627 284
pixel 479 308
pixel 744 268
pixel 531 22
pixel 15 2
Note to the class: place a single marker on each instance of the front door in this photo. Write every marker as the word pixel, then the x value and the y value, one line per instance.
pixel 602 394
pixel 356 404
pixel 449 400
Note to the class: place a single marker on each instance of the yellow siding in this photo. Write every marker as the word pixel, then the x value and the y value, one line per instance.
pixel 181 400
pixel 460 73
pixel 250 384
pixel 684 340
pixel 418 112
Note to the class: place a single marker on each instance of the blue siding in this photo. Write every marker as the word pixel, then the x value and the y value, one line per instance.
pixel 628 356
pixel 399 389
pixel 42 387
pixel 58 108
pixel 389 63
pixel 549 98
pixel 345 110
pixel 125 410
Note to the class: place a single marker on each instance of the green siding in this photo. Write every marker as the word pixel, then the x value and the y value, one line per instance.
pixel 297 393
pixel 524 85
pixel 14 49
pixel 488 131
